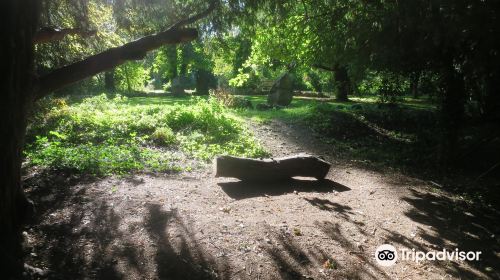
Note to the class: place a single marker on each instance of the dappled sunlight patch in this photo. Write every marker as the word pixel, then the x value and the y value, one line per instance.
pixel 103 135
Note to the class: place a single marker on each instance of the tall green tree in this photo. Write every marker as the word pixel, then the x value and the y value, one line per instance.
pixel 457 41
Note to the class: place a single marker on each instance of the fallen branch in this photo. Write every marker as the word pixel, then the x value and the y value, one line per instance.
pixel 271 169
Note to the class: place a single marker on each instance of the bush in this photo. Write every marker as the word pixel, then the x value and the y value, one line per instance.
pixel 102 135
pixel 131 76
pixel 164 136
pixel 229 100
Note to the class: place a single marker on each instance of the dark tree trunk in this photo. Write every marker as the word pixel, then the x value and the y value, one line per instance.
pixel 343 83
pixel 452 112
pixel 19 21
pixel 109 80
pixel 414 84
pixel 491 96
pixel 172 62
pixel 127 78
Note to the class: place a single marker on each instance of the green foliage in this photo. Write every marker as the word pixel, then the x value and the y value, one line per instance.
pixel 164 136
pixel 241 80
pixel 131 76
pixel 313 81
pixel 229 100
pixel 401 135
pixel 102 135
pixel 388 86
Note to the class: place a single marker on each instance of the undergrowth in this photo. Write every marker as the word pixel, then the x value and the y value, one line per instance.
pixel 102 135
pixel 403 135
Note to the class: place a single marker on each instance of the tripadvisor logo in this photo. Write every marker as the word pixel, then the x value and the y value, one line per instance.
pixel 387 255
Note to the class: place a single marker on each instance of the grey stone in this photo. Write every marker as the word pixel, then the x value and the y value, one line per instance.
pixel 281 92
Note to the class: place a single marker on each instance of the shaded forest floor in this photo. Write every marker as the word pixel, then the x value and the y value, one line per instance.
pixel 194 226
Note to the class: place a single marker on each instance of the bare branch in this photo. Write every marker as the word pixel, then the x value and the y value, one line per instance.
pixel 323 67
pixel 196 17
pixel 110 58
pixel 48 34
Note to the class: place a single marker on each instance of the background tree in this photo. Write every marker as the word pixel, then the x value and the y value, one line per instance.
pixel 454 42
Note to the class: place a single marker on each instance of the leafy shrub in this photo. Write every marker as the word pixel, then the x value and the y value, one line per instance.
pixel 102 135
pixel 388 86
pixel 230 100
pixel 163 136
pixel 313 81
pixel 131 76
pixel 390 91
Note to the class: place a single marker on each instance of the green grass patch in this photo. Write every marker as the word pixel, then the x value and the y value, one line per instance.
pixel 400 135
pixel 102 135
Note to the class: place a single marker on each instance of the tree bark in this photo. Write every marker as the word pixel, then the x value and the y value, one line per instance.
pixel 19 22
pixel 341 78
pixel 109 80
pixel 343 83
pixel 414 84
pixel 452 112
pixel 491 96
pixel 271 169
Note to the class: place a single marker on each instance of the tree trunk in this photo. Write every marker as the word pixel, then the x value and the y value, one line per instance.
pixel 127 78
pixel 343 83
pixel 491 96
pixel 271 169
pixel 452 112
pixel 19 21
pixel 414 83
pixel 172 62
pixel 186 53
pixel 109 80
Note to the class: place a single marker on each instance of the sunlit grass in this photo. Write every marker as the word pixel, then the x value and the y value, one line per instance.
pixel 102 135
pixel 362 129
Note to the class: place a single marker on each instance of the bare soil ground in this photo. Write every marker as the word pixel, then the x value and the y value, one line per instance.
pixel 194 226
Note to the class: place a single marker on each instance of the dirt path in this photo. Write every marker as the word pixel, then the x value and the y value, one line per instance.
pixel 193 226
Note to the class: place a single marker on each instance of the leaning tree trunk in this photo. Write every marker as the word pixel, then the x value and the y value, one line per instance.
pixel 19 20
pixel 343 83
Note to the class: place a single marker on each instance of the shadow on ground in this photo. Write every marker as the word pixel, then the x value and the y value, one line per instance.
pixel 243 189
pixel 299 262
pixel 454 224
pixel 82 234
